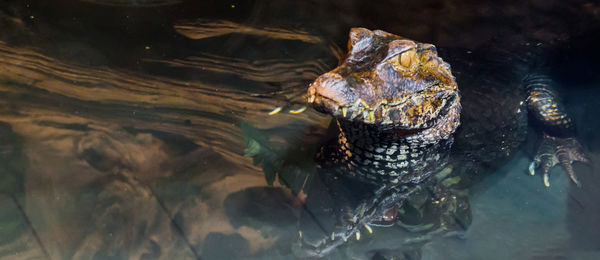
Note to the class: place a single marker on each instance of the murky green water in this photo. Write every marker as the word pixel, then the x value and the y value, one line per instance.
pixel 121 138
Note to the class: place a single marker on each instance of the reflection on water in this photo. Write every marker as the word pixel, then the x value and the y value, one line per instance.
pixel 206 29
pixel 128 146
pixel 112 151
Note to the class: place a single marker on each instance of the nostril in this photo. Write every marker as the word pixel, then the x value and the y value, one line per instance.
pixel 326 81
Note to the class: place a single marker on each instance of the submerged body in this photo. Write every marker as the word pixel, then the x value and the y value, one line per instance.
pixel 409 135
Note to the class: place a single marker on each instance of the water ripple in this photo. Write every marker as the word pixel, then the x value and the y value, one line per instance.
pixel 202 29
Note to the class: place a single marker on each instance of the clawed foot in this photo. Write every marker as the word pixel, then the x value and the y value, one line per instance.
pixel 555 150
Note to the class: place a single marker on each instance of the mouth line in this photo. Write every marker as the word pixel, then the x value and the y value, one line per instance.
pixel 361 109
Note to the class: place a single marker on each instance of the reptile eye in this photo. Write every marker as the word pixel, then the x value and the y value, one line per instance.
pixel 406 61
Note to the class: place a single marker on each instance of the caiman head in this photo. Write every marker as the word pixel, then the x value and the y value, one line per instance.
pixel 389 81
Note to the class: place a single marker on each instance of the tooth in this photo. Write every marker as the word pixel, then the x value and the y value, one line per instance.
pixel 332 235
pixel 311 98
pixel 371 116
pixel 357 235
pixel 344 111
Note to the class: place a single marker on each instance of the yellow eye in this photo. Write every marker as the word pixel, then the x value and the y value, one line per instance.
pixel 406 58
pixel 406 61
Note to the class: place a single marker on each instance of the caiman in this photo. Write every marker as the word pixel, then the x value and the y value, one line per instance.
pixel 410 133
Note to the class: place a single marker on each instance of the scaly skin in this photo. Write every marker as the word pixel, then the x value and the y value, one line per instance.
pixel 398 110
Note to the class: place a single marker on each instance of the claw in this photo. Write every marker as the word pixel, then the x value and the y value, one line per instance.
pixel 532 167
pixel 569 169
pixel 555 151
pixel 368 228
pixel 545 162
pixel 546 182
pixel 567 154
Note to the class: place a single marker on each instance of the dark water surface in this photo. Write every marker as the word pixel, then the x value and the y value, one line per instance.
pixel 120 126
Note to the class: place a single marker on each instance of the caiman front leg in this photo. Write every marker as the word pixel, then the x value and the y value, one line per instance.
pixel 559 144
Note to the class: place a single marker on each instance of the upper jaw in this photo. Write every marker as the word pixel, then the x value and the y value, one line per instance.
pixel 358 110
